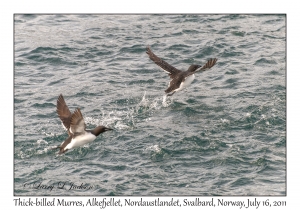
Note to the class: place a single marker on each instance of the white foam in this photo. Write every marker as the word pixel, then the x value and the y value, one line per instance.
pixel 144 101
pixel 166 101
pixel 155 103
pixel 126 118
pixel 116 119
pixel 41 141
pixel 154 148
pixel 39 152
pixel 121 126
pixel 48 134
pixel 225 120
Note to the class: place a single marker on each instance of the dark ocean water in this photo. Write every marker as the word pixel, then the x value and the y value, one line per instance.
pixel 223 135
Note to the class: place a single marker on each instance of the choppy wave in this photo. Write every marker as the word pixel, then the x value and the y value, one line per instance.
pixel 223 135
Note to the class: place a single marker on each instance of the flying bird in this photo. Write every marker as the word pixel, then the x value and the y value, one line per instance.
pixel 179 79
pixel 75 126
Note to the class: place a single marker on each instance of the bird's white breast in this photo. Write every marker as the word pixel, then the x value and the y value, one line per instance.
pixel 81 140
pixel 186 82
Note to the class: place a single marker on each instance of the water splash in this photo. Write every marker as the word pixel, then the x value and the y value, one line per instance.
pixel 154 148
pixel 41 141
pixel 117 119
pixel 225 121
pixel 155 103
pixel 126 119
pixel 43 151
pixel 167 101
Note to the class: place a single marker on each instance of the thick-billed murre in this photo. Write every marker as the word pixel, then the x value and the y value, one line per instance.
pixel 179 79
pixel 76 127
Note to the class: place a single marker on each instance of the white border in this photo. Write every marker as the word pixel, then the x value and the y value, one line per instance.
pixel 8 8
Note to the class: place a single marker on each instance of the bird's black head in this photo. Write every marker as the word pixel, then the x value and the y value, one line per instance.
pixel 193 68
pixel 100 129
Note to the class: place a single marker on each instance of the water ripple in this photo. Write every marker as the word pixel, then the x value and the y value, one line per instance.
pixel 223 135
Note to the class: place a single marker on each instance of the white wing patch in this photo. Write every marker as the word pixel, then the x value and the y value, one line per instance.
pixel 71 130
pixel 164 70
pixel 64 126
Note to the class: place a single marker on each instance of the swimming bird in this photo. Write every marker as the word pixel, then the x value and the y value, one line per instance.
pixel 179 79
pixel 76 127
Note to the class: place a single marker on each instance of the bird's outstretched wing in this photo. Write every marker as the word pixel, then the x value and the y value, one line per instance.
pixel 63 112
pixel 161 63
pixel 210 63
pixel 77 126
